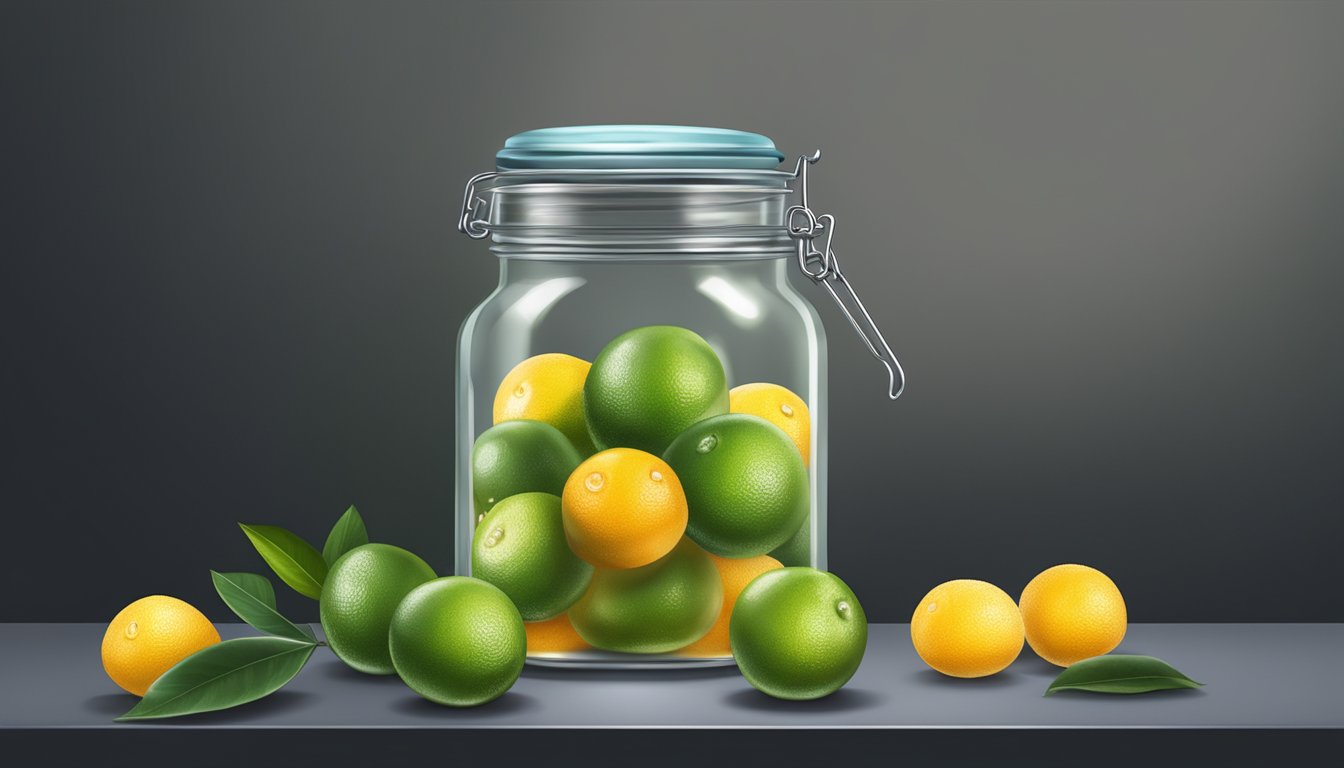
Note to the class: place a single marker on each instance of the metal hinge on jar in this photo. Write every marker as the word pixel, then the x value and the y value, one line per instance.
pixel 821 267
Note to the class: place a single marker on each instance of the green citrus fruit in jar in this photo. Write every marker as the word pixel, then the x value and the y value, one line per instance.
pixel 798 633
pixel 746 486
pixel 657 608
pixel 520 457
pixel 547 388
pixel 520 547
pixel 649 384
pixel 458 641
pixel 359 596
pixel 798 549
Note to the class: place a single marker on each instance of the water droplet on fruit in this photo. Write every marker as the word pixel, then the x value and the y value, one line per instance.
pixel 933 607
pixel 656 476
pixel 494 537
pixel 707 443
pixel 842 608
pixel 132 630
pixel 520 391
pixel 786 410
pixel 480 517
pixel 594 482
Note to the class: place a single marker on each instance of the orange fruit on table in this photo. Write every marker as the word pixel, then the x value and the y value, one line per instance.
pixel 547 388
pixel 623 508
pixel 780 407
pixel 1072 612
pixel 967 628
pixel 555 635
pixel 149 637
pixel 736 574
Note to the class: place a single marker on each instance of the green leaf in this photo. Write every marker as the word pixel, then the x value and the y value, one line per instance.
pixel 223 675
pixel 348 533
pixel 253 598
pixel 294 560
pixel 1120 673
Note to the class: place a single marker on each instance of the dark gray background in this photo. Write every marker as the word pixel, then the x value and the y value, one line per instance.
pixel 1106 239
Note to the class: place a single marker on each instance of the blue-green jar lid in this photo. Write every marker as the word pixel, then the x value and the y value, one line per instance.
pixel 638 146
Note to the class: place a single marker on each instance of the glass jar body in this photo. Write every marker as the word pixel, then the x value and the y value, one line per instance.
pixel 745 308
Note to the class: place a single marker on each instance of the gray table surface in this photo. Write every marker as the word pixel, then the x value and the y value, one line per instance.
pixel 1257 676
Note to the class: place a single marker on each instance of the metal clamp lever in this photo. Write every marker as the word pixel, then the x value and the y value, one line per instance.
pixel 823 268
pixel 472 221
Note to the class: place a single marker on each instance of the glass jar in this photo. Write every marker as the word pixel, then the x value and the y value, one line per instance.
pixel 601 230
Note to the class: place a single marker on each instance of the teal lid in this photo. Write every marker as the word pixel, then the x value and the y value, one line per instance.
pixel 638 146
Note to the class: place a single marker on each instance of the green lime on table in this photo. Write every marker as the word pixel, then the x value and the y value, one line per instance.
pixel 520 457
pixel 656 608
pixel 649 384
pixel 359 596
pixel 798 633
pixel 520 547
pixel 458 641
pixel 745 483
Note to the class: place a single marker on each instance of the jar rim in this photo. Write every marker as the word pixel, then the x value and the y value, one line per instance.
pixel 666 211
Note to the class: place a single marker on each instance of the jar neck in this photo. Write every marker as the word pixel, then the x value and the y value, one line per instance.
pixel 767 270
pixel 608 216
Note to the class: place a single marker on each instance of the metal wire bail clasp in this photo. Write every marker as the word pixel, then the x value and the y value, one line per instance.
pixel 821 267
pixel 472 221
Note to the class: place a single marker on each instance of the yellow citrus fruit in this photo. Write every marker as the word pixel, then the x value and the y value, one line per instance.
pixel 778 406
pixel 151 635
pixel 547 388
pixel 623 508
pixel 736 574
pixel 1071 613
pixel 555 635
pixel 967 628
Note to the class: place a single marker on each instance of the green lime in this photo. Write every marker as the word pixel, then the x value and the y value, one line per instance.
pixel 458 641
pixel 798 549
pixel 359 596
pixel 649 384
pixel 656 608
pixel 520 547
pixel 798 633
pixel 517 457
pixel 745 483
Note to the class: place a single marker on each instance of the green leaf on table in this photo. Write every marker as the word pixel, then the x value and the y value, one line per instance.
pixel 223 675
pixel 348 533
pixel 294 560
pixel 1121 673
pixel 253 598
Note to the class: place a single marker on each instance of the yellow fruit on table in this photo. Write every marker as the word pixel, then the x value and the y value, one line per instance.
pixel 151 635
pixel 547 388
pixel 623 508
pixel 736 574
pixel 1072 612
pixel 967 628
pixel 778 406
pixel 555 635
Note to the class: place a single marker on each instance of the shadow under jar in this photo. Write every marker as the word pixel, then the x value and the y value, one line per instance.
pixel 603 229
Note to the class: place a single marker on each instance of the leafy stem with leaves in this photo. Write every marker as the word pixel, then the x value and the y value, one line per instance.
pixel 245 669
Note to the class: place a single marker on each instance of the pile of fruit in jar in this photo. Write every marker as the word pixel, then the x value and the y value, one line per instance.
pixel 624 504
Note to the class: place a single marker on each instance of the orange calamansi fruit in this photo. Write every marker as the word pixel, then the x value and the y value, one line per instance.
pixel 623 508
pixel 149 637
pixel 735 573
